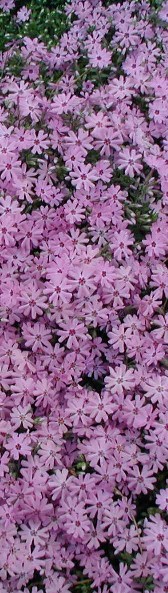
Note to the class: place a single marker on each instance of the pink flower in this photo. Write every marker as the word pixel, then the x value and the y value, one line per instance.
pixel 58 289
pixel 106 140
pixel 98 407
pixel 22 415
pixel 34 302
pixel 120 379
pixel 72 331
pixel 7 5
pixel 75 519
pixel 39 142
pixel 99 58
pixel 163 13
pixel 37 336
pixel 63 103
pixel 103 170
pixel 83 177
pixel 162 499
pixel 120 244
pixel 141 481
pixel 155 535
pixel 155 245
pixel 4 468
pixel 82 280
pixel 156 387
pixel 129 540
pixel 80 141
pixel 130 161
pixel 117 338
pixel 59 585
pixel 23 14
pixel 18 444
pixel 58 482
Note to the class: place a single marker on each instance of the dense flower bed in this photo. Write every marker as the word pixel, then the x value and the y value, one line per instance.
pixel 83 302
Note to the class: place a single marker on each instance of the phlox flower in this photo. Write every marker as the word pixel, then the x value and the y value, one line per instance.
pixel 30 233
pixel 22 415
pixel 163 13
pixel 7 5
pixel 103 170
pixel 59 585
pixel 39 142
pixel 161 328
pixel 58 289
pixel 97 121
pixel 158 111
pixel 155 534
pixel 4 468
pixel 76 413
pixel 49 454
pixel 121 379
pixel 32 301
pixel 37 336
pixel 75 519
pixel 73 158
pixel 106 140
pixel 135 412
pixel 119 88
pixel 117 338
pixel 7 231
pixel 98 502
pixel 99 57
pixel 23 14
pixel 128 540
pixel 122 581
pixel 98 407
pixel 162 499
pixel 18 444
pixel 74 212
pixel 141 481
pixel 83 177
pixel 82 280
pixel 155 244
pixel 130 161
pixel 63 103
pixel 120 244
pixel 80 141
pixel 58 482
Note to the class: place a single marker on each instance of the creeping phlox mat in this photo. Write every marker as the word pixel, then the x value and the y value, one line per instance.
pixel 83 296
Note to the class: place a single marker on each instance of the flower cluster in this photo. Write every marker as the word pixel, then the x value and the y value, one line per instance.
pixel 83 303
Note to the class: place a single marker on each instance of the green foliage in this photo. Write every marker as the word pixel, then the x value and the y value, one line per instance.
pixel 47 21
pixel 92 156
pixel 83 586
pixel 156 3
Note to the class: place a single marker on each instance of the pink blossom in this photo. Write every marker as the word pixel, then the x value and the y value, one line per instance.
pixel 23 14
pixel 129 160
pixel 141 481
pixel 83 177
pixel 120 379
pixel 162 499
pixel 72 331
pixel 155 534
pixel 7 5
pixel 33 302
pixel 18 445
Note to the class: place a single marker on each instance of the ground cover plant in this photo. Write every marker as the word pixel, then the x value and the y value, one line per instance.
pixel 83 296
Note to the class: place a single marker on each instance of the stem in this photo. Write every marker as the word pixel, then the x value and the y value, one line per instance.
pixel 131 517
pixel 85 582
